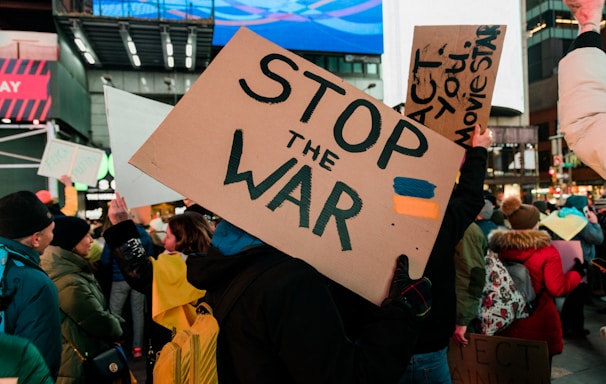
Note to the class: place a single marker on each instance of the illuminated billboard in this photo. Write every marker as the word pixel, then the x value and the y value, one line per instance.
pixel 354 26
pixel 24 89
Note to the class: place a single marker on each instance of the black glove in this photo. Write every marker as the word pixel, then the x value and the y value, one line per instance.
pixel 413 294
pixel 579 267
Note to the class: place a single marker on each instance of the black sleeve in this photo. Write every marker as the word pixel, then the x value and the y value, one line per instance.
pixel 124 241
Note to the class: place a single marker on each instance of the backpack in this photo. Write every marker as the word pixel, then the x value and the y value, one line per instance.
pixel 521 279
pixel 6 296
pixel 191 356
pixel 502 303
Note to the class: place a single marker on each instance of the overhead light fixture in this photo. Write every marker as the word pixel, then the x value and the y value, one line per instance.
pixel 129 45
pixel 190 48
pixel 89 58
pixel 83 44
pixel 80 44
pixel 6 120
pixel 167 47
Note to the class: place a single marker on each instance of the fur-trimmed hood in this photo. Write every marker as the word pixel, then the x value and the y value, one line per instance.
pixel 502 239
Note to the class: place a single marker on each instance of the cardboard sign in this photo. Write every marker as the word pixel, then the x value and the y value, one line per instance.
pixel 495 359
pixel 65 158
pixel 565 227
pixel 453 70
pixel 307 163
pixel 131 120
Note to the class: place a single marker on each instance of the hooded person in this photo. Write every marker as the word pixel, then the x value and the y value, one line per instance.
pixel 525 244
pixel 88 327
pixel 484 218
pixel 29 297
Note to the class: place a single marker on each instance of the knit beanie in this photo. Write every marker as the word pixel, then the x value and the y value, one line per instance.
pixel 45 196
pixel 575 201
pixel 22 214
pixel 69 230
pixel 541 205
pixel 487 210
pixel 520 216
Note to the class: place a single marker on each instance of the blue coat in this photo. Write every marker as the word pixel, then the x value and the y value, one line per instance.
pixel 33 313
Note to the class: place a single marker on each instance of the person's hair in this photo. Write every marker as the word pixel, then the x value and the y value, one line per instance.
pixel 192 232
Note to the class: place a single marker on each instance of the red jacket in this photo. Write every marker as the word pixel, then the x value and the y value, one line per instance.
pixel 533 248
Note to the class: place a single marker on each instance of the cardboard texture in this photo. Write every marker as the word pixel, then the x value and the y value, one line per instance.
pixel 79 162
pixel 131 120
pixel 307 163
pixel 453 70
pixel 495 359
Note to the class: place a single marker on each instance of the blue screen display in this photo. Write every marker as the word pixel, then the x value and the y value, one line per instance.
pixel 353 26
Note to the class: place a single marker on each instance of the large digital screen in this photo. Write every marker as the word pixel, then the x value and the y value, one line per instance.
pixel 354 26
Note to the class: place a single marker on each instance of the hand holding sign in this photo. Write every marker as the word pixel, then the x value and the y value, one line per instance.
pixel 65 158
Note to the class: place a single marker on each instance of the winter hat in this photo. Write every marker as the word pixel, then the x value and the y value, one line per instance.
pixel 487 210
pixel 45 197
pixel 520 216
pixel 575 201
pixel 498 217
pixel 22 214
pixel 69 230
pixel 541 205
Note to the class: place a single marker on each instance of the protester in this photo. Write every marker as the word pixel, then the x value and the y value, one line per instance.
pixel 582 87
pixel 29 297
pixel 572 314
pixel 525 244
pixel 186 233
pixel 88 327
pixel 429 361
pixel 120 291
pixel 285 327
pixel 470 269
pixel 70 208
pixel 19 358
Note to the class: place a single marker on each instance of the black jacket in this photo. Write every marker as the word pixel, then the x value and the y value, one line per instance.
pixel 285 327
pixel 463 207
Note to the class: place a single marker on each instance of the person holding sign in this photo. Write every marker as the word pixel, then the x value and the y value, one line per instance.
pixel 70 208
pixel 186 233
pixel 285 326
pixel 429 363
pixel 582 87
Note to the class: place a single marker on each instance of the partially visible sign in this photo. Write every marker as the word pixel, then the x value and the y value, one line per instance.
pixel 131 119
pixel 453 70
pixel 75 160
pixel 495 359
pixel 306 162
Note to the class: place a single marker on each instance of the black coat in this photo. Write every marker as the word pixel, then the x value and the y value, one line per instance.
pixel 463 207
pixel 285 327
